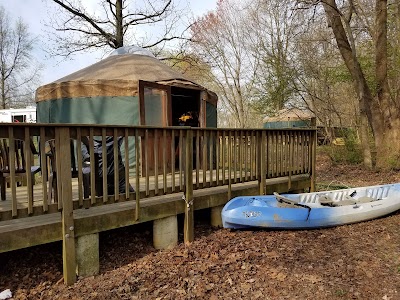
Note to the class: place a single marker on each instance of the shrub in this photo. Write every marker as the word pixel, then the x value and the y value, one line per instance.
pixel 349 153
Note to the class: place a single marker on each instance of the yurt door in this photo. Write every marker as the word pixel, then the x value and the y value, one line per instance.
pixel 155 110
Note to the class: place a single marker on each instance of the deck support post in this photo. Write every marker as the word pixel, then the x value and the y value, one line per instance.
pixel 165 232
pixel 216 218
pixel 87 255
pixel 188 230
pixel 64 190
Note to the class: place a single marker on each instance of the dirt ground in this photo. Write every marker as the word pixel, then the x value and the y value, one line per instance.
pixel 359 261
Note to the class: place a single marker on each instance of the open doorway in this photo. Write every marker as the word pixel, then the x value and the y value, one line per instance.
pixel 185 107
pixel 185 112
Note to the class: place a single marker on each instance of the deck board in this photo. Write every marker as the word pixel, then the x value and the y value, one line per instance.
pixel 34 230
pixel 22 191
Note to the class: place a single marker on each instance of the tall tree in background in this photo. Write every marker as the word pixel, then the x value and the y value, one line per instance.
pixel 394 47
pixel 117 23
pixel 220 39
pixel 273 30
pixel 323 84
pixel 18 70
pixel 191 65
pixel 382 110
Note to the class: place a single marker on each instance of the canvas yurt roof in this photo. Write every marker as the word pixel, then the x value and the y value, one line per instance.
pixel 289 114
pixel 117 75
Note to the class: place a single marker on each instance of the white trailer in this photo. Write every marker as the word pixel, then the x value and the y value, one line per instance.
pixel 12 115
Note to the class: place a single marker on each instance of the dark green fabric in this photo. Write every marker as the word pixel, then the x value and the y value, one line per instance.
pixel 103 110
pixel 43 112
pixel 211 115
pixel 287 124
pixel 97 110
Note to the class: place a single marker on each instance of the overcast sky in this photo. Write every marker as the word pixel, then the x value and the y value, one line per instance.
pixel 33 12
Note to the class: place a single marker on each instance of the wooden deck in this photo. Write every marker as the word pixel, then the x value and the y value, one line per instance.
pixel 176 171
pixel 148 187
pixel 45 228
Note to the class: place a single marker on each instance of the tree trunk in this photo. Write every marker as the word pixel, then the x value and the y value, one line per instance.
pixel 390 154
pixel 3 92
pixel 119 35
pixel 365 99
pixel 388 147
pixel 364 137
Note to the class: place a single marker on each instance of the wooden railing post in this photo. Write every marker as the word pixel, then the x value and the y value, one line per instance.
pixel 313 159
pixel 28 163
pixel 13 183
pixel 63 151
pixel 229 165
pixel 137 174
pixel 290 165
pixel 262 162
pixel 189 210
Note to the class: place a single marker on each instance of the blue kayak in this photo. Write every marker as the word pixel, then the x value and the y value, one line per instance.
pixel 312 210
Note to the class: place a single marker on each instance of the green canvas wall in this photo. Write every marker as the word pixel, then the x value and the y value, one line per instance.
pixel 211 115
pixel 287 124
pixel 97 110
pixel 101 110
pixel 104 110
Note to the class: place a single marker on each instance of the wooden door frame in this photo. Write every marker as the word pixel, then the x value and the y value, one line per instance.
pixel 166 114
pixel 166 102
pixel 203 110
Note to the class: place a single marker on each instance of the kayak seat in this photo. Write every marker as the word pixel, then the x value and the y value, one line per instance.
pixel 344 202
pixel 365 199
pixel 348 200
pixel 325 200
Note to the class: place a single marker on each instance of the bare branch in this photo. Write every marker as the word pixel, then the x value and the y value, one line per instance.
pixel 114 26
pixel 18 70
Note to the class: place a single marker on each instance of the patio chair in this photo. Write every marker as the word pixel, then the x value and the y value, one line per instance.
pixel 99 160
pixel 20 164
pixel 52 191
pixel 88 165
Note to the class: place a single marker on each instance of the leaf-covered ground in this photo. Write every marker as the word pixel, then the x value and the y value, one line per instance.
pixel 359 261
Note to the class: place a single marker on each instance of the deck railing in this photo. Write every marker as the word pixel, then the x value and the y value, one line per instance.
pixel 142 162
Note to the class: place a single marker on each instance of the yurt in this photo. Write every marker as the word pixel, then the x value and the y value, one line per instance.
pixel 290 118
pixel 130 87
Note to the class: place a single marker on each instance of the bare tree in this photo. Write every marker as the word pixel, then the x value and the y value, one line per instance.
pixel 382 112
pixel 322 83
pixel 117 23
pixel 273 29
pixel 18 71
pixel 189 64
pixel 220 40
pixel 394 47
